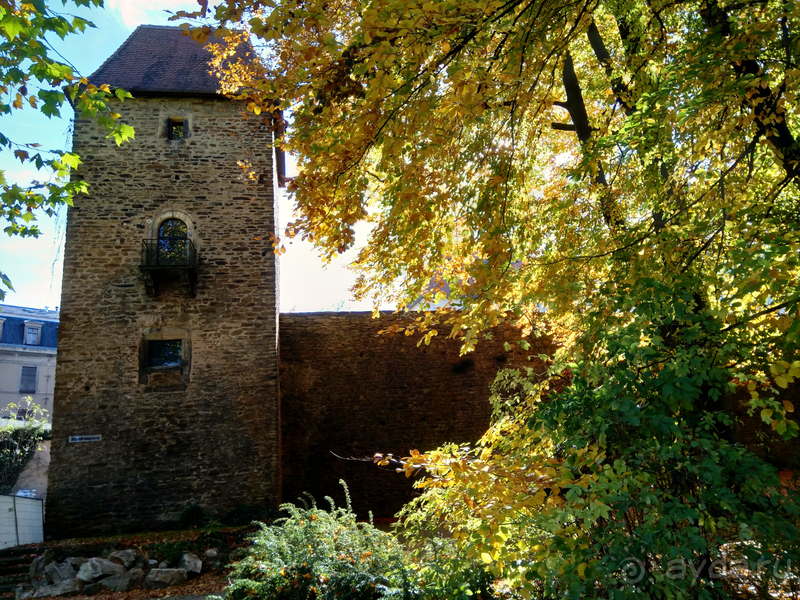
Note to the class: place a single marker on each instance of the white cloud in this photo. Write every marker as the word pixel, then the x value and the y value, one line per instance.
pixel 147 12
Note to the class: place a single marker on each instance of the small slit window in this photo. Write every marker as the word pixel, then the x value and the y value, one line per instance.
pixel 176 129
pixel 164 354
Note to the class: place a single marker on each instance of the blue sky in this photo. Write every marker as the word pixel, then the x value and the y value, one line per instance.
pixel 35 265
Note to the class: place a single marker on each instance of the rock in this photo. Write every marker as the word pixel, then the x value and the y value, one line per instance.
pixel 124 583
pixel 40 582
pixel 97 568
pixel 56 573
pixel 73 587
pixel 92 589
pixel 48 557
pixel 213 558
pixel 24 591
pixel 126 558
pixel 37 567
pixel 152 563
pixel 163 564
pixel 161 578
pixel 191 564
pixel 76 561
pixel 39 563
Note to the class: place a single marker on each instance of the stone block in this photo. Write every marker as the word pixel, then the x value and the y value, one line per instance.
pixel 127 558
pixel 24 591
pixel 71 587
pixel 92 589
pixel 58 572
pixel 190 563
pixel 125 582
pixel 161 578
pixel 96 568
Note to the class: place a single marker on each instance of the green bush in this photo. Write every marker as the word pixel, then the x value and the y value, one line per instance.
pixel 18 442
pixel 443 571
pixel 313 553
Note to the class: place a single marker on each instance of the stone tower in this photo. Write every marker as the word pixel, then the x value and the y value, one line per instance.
pixel 167 379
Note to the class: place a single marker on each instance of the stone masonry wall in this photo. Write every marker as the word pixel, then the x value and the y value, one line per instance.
pixel 207 434
pixel 347 392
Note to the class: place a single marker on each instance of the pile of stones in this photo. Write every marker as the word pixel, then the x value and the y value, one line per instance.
pixel 121 571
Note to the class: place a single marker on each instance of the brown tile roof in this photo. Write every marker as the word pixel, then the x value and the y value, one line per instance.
pixel 159 60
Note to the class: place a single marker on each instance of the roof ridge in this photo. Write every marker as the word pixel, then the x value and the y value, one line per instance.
pixel 146 26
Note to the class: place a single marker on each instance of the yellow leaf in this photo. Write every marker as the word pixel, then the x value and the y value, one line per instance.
pixel 788 406
pixel 766 413
pixel 782 381
pixel 582 570
pixel 486 557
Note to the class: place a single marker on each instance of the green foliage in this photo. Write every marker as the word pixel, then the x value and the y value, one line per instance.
pixel 169 551
pixel 18 442
pixel 622 175
pixel 313 553
pixel 628 479
pixel 30 78
pixel 442 569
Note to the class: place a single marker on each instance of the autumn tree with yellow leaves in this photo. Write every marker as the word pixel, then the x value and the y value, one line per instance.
pixel 622 175
pixel 34 75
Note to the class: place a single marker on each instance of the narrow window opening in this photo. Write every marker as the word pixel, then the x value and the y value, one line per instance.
pixel 176 129
pixel 27 380
pixel 164 354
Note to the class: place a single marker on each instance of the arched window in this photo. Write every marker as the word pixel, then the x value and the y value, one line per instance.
pixel 173 248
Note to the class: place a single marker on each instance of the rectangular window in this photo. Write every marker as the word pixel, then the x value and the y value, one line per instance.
pixel 27 380
pixel 32 336
pixel 164 353
pixel 175 129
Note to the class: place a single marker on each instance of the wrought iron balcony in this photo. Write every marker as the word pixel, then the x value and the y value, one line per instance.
pixel 167 259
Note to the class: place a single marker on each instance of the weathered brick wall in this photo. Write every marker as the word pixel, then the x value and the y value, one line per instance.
pixel 209 435
pixel 349 392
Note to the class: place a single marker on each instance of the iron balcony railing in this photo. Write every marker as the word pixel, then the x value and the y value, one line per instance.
pixel 169 253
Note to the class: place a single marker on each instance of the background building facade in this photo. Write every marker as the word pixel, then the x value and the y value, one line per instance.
pixel 28 344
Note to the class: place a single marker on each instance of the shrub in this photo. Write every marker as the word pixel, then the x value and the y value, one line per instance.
pixel 18 442
pixel 443 571
pixel 313 553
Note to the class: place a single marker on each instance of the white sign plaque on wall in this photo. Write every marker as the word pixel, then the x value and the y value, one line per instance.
pixel 74 439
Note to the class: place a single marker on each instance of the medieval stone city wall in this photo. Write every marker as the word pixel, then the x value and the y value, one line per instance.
pixel 348 392
pixel 207 434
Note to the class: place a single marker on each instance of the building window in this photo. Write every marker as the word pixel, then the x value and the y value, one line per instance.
pixel 27 380
pixel 33 333
pixel 176 129
pixel 172 242
pixel 2 320
pixel 165 358
pixel 164 354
